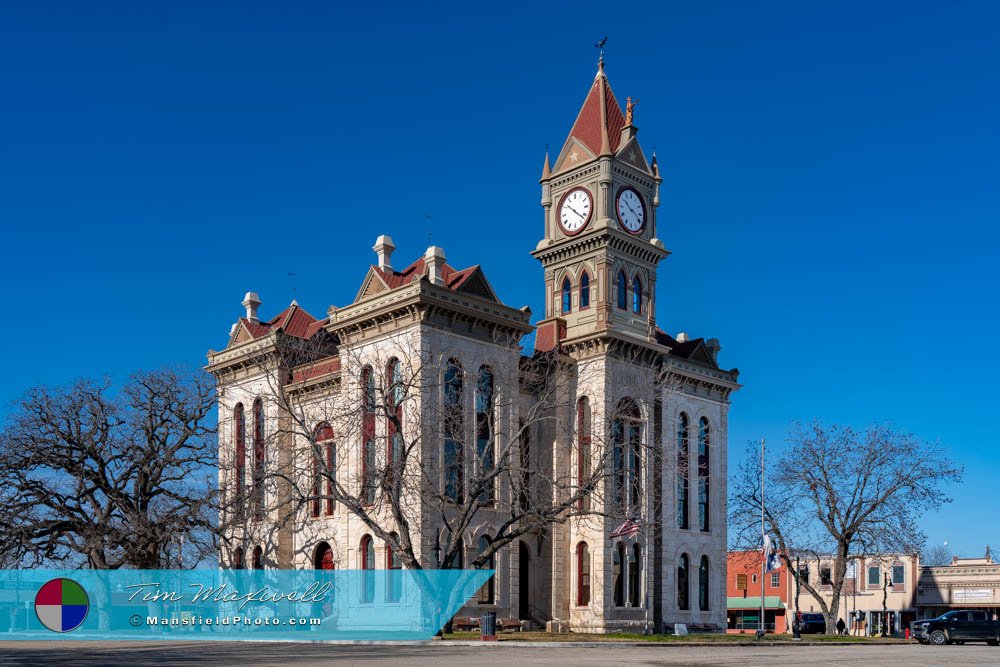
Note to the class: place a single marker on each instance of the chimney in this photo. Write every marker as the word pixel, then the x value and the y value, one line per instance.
pixel 251 302
pixel 383 249
pixel 682 337
pixel 434 263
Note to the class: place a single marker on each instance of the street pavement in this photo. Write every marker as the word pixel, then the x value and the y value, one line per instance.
pixel 506 654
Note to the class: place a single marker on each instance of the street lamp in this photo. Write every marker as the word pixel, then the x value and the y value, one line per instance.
pixel 885 597
pixel 796 631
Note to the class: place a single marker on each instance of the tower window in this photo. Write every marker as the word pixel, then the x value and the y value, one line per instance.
pixel 585 291
pixel 636 295
pixel 622 290
pixel 567 296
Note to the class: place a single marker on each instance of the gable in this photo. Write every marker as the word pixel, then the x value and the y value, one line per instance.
pixel 631 154
pixel 372 285
pixel 573 154
pixel 477 285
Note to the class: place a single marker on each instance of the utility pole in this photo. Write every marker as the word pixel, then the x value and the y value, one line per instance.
pixel 763 536
pixel 796 631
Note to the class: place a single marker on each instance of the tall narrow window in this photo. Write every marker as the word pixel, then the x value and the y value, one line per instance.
pixel 257 561
pixel 367 555
pixel 486 592
pixel 238 559
pixel 582 575
pixel 324 466
pixel 485 410
pixel 394 573
pixel 567 296
pixel 240 456
pixel 524 452
pixel 635 576
pixel 394 421
pixel 258 458
pixel 454 433
pixel 618 574
pixel 585 291
pixel 583 438
pixel 703 474
pixel 368 484
pixel 622 290
pixel 626 456
pixel 703 584
pixel 683 455
pixel 682 582
pixel 636 294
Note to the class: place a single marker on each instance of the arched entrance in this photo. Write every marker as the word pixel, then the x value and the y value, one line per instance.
pixel 523 581
pixel 323 558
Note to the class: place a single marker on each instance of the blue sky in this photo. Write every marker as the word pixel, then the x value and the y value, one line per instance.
pixel 830 196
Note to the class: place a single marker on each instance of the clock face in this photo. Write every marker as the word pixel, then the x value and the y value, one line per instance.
pixel 631 210
pixel 574 211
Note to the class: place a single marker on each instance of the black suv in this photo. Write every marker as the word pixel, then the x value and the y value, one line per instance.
pixel 957 627
pixel 812 624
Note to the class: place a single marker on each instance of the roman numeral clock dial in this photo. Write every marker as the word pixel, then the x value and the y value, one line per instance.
pixel 574 211
pixel 631 210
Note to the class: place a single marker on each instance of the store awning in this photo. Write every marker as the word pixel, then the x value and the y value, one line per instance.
pixel 770 602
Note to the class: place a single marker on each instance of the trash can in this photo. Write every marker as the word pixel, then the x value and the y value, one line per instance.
pixel 488 626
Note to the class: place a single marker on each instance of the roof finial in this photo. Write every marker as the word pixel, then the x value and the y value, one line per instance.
pixel 600 45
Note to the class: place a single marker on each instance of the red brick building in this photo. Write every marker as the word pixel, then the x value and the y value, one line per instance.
pixel 743 591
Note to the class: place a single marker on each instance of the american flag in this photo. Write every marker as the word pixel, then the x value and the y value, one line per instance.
pixel 628 529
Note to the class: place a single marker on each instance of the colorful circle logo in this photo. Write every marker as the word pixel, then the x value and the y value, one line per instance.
pixel 62 605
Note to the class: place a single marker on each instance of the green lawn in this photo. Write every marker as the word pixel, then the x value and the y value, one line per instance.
pixel 630 637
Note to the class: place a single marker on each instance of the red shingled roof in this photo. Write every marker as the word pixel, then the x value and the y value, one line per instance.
pixel 294 321
pixel 316 369
pixel 591 120
pixel 453 279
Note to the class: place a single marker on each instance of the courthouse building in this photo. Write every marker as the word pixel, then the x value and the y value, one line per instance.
pixel 599 241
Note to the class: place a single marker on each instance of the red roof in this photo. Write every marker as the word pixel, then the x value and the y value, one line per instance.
pixel 316 369
pixel 294 321
pixel 600 110
pixel 453 279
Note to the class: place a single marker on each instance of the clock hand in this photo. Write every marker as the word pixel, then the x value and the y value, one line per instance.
pixel 575 211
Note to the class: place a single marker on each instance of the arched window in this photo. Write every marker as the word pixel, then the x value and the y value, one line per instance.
pixel 636 294
pixel 394 576
pixel 682 582
pixel 582 575
pixel 622 290
pixel 240 457
pixel 258 458
pixel 683 454
pixel 626 455
pixel 585 290
pixel 485 595
pixel 618 574
pixel 238 558
pixel 635 576
pixel 703 474
pixel 703 584
pixel 257 560
pixel 567 296
pixel 324 467
pixel 323 557
pixel 583 438
pixel 394 420
pixel 485 415
pixel 368 485
pixel 454 433
pixel 367 555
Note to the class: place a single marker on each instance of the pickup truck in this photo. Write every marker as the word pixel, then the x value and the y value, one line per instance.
pixel 957 627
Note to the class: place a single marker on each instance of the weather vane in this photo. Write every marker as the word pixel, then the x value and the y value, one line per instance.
pixel 600 45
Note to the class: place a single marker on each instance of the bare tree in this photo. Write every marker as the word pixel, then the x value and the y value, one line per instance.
pixel 92 478
pixel 835 494
pixel 935 555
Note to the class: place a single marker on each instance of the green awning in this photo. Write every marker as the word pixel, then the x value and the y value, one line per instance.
pixel 753 602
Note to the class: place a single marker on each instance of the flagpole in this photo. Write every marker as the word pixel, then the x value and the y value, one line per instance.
pixel 763 537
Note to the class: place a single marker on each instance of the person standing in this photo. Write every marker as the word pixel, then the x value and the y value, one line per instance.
pixel 841 627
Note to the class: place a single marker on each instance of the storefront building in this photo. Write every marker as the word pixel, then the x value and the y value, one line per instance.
pixel 967 583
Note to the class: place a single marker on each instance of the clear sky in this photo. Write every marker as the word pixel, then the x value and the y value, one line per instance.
pixel 830 195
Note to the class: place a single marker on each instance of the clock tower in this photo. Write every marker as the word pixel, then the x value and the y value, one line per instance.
pixel 600 249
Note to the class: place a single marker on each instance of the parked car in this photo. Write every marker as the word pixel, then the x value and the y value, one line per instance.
pixel 957 627
pixel 812 624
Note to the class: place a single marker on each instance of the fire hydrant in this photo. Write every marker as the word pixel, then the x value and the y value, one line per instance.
pixel 906 633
